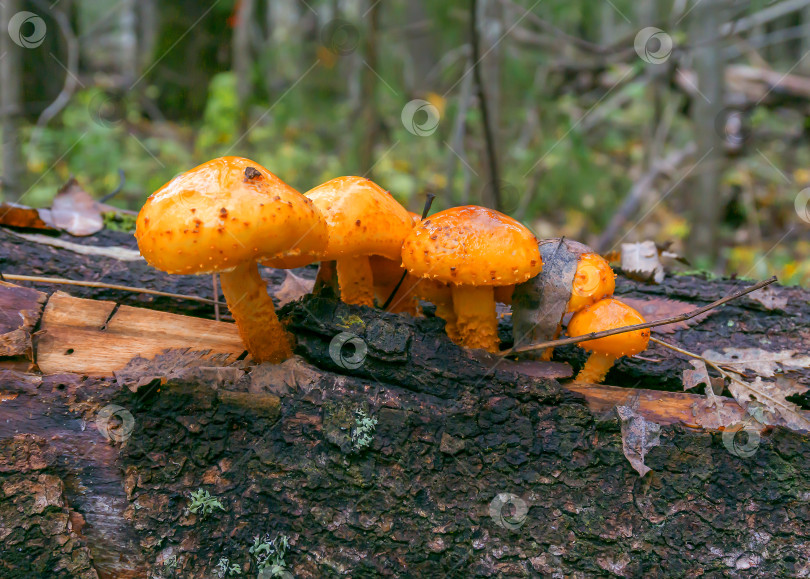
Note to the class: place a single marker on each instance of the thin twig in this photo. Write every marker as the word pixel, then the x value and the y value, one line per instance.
pixel 117 190
pixel 664 322
pixel 96 284
pixel 425 210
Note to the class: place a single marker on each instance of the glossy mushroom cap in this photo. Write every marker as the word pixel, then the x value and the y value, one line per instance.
pixel 223 213
pixel 608 314
pixel 593 280
pixel 362 217
pixel 472 246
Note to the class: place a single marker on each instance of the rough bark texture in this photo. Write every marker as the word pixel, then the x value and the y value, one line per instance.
pixel 460 448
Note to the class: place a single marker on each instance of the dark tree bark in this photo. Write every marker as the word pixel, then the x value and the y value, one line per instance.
pixel 460 448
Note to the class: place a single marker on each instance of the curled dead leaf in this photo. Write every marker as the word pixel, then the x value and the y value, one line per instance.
pixel 640 261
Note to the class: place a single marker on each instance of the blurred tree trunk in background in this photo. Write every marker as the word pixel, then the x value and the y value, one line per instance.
pixel 10 101
pixel 421 47
pixel 490 32
pixel 128 42
pixel 241 59
pixel 285 30
pixel 707 105
pixel 147 32
pixel 370 118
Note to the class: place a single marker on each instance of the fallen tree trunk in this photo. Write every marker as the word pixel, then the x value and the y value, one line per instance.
pixel 474 468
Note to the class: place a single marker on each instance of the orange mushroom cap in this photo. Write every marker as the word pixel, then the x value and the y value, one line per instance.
pixel 472 245
pixel 362 217
pixel 593 280
pixel 225 212
pixel 608 314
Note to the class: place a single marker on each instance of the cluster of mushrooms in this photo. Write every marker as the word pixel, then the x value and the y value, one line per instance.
pixel 230 214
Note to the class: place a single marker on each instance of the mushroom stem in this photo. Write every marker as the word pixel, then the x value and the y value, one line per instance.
pixel 356 280
pixel 475 312
pixel 252 309
pixel 595 368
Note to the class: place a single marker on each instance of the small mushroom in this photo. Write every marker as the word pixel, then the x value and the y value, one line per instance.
pixel 363 220
pixel 473 250
pixel 594 279
pixel 606 314
pixel 222 217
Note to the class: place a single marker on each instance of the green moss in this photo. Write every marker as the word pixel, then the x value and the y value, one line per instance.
pixel 118 221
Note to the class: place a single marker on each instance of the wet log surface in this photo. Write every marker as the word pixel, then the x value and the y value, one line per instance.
pixel 472 470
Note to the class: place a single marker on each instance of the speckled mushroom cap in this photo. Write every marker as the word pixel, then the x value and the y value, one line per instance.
pixel 472 245
pixel 225 212
pixel 608 314
pixel 362 217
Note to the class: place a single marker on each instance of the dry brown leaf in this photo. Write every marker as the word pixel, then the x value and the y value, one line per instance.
pixel 717 412
pixel 770 298
pixel 292 288
pixel 767 402
pixel 659 308
pixel 638 437
pixel 14 215
pixel 699 375
pixel 761 362
pixel 75 211
pixel 640 261
pixel 539 304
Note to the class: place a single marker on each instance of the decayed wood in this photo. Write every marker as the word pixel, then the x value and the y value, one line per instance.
pixel 81 336
pixel 88 337
pixel 20 309
pixel 458 437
